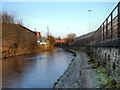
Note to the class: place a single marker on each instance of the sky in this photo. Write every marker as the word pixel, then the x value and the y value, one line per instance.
pixel 62 18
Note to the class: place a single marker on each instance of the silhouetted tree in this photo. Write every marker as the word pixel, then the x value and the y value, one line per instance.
pixel 59 38
pixel 51 41
pixel 10 18
pixel 69 38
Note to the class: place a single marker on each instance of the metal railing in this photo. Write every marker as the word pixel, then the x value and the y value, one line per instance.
pixel 108 30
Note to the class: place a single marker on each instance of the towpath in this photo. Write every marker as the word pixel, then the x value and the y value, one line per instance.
pixel 77 74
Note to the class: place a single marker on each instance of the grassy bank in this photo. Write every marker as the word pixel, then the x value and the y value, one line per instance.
pixel 99 76
pixel 18 40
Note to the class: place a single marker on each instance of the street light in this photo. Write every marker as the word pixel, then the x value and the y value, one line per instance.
pixel 89 19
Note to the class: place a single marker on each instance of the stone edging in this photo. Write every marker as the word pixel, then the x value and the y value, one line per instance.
pixel 74 53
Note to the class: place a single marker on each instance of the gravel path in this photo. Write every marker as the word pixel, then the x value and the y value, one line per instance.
pixel 86 81
pixel 77 75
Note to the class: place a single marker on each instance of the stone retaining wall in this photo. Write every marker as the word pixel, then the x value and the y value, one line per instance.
pixel 109 57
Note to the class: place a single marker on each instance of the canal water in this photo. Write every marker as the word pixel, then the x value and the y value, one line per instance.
pixel 36 70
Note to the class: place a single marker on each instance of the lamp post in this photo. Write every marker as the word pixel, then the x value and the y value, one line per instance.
pixel 89 19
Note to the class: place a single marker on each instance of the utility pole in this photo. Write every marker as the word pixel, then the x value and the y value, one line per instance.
pixel 47 31
pixel 89 19
pixel 35 30
pixel 48 37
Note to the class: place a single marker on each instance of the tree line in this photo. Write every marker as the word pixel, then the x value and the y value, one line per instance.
pixel 10 18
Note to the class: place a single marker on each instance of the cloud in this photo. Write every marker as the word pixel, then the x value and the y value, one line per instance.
pixel 68 28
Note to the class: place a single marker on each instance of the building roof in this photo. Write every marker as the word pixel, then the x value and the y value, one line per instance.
pixel 26 28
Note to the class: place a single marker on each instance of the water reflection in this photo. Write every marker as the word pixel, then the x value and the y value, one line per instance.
pixel 35 71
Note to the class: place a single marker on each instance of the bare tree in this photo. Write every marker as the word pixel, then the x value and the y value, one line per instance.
pixel 20 22
pixel 70 37
pixel 51 42
pixel 10 18
pixel 59 38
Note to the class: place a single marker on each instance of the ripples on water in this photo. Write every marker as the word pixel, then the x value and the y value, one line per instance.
pixel 36 70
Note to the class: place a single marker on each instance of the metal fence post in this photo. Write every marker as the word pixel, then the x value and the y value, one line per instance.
pixel 103 31
pixel 119 19
pixel 106 28
pixel 100 33
pixel 111 24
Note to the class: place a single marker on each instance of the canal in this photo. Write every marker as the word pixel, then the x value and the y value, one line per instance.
pixel 36 70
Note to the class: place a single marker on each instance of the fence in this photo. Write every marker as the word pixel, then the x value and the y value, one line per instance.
pixel 110 29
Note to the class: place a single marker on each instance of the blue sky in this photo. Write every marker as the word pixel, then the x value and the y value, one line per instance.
pixel 61 17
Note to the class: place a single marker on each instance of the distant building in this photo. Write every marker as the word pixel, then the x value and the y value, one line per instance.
pixel 39 40
pixel 60 41
pixel 43 41
pixel 38 35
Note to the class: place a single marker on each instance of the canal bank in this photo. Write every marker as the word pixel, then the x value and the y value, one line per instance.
pixel 81 74
pixel 18 40
pixel 76 76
